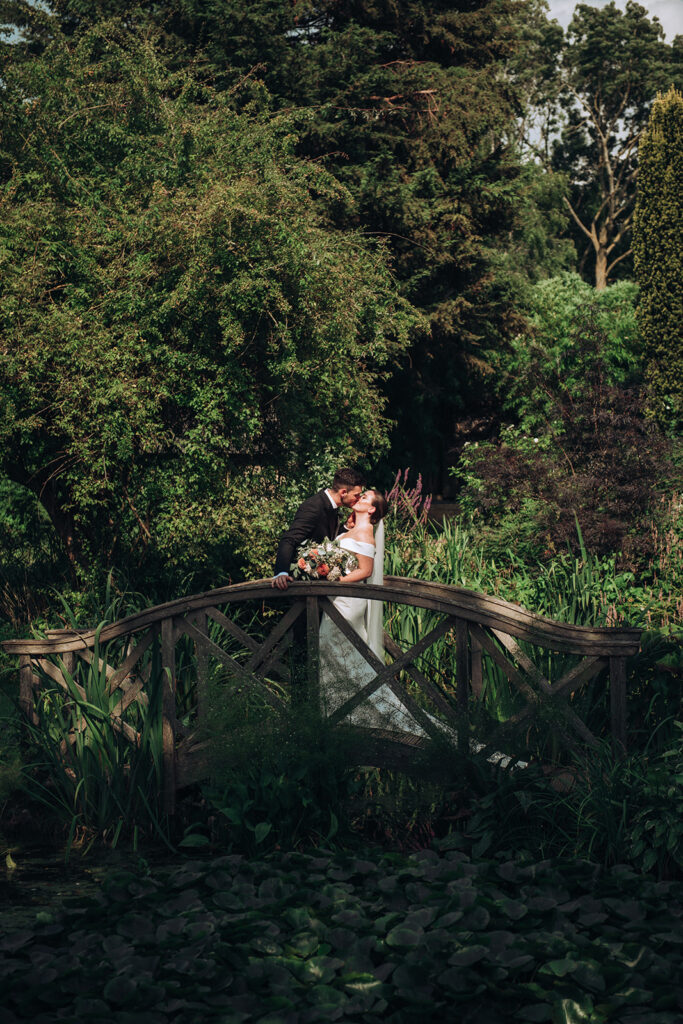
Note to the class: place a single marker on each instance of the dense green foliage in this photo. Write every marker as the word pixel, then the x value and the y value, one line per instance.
pixel 412 106
pixel 195 333
pixel 542 359
pixel 579 445
pixel 658 261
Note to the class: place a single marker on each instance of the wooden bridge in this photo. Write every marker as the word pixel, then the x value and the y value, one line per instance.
pixel 257 655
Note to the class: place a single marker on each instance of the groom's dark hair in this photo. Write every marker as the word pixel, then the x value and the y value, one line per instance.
pixel 347 478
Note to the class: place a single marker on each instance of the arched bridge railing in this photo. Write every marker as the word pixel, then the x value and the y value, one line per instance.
pixel 267 641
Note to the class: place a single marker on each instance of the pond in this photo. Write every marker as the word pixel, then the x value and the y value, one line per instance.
pixel 36 879
pixel 314 936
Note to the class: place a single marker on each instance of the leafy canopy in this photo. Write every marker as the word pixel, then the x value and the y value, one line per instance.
pixel 180 325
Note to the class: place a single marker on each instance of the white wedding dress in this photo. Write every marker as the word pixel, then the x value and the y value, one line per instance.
pixel 344 671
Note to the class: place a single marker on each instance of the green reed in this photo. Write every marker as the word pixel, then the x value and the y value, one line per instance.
pixel 97 768
pixel 583 589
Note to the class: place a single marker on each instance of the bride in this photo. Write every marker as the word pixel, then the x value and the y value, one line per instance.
pixel 343 670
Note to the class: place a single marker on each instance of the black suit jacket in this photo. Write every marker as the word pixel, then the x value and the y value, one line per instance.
pixel 315 519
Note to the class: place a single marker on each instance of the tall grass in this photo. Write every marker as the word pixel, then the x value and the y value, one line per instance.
pixel 584 589
pixel 97 768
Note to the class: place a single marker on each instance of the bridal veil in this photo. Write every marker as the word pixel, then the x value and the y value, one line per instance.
pixel 375 614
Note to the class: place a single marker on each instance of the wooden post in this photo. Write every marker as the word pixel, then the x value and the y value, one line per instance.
pixel 27 687
pixel 168 718
pixel 462 682
pixel 617 694
pixel 69 659
pixel 69 662
pixel 477 668
pixel 313 651
pixel 201 622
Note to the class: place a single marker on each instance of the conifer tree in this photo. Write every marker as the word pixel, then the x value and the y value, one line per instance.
pixel 657 242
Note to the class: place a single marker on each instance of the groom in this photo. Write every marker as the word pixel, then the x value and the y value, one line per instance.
pixel 315 519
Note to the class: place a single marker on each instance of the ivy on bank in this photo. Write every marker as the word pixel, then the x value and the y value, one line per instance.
pixel 339 936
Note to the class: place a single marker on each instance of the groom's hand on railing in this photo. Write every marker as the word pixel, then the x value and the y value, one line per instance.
pixel 282 580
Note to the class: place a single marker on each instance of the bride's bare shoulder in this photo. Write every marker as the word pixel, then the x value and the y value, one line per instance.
pixel 364 534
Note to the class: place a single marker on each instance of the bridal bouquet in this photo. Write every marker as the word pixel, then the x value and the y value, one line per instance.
pixel 323 561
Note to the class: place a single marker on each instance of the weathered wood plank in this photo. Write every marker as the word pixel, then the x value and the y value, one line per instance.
pixel 462 680
pixel 200 620
pixel 432 691
pixel 28 683
pixel 69 662
pixel 285 623
pixel 122 673
pixel 271 663
pixel 579 675
pixel 129 693
pixel 56 675
pixel 313 650
pixel 534 673
pixel 232 628
pixel 477 680
pixel 87 655
pixel 508 668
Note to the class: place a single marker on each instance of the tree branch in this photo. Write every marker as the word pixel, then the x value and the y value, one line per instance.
pixel 614 262
pixel 620 234
pixel 576 217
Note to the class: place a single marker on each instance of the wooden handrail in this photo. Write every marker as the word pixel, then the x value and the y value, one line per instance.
pixel 493 612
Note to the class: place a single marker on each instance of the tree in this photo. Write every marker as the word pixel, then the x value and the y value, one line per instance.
pixel 412 109
pixel 582 446
pixel 412 106
pixel 542 361
pixel 657 234
pixel 180 328
pixel 613 63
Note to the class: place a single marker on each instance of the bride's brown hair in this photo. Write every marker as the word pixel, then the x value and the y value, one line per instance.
pixel 381 507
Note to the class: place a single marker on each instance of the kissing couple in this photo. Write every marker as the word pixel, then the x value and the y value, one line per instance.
pixel 343 670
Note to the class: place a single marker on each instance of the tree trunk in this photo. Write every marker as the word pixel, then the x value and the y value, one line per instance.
pixel 600 269
pixel 62 520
